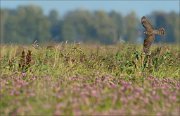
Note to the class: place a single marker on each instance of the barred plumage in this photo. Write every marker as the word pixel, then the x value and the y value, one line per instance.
pixel 160 31
pixel 150 34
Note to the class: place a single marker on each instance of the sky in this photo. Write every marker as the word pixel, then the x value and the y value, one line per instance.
pixel 141 7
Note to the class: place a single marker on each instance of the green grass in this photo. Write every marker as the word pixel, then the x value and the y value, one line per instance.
pixel 74 79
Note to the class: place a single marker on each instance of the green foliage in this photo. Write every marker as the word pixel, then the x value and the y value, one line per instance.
pixel 26 24
pixel 131 24
pixel 75 79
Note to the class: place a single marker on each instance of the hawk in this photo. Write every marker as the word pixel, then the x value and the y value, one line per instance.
pixel 150 34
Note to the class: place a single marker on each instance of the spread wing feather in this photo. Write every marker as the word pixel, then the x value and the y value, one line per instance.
pixel 150 34
pixel 146 24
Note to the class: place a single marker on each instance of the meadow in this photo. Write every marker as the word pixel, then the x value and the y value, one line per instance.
pixel 79 79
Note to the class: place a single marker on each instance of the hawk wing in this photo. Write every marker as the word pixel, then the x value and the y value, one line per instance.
pixel 147 43
pixel 146 24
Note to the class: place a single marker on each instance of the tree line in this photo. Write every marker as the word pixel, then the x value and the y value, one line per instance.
pixel 26 24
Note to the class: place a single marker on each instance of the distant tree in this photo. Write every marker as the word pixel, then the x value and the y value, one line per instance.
pixel 105 27
pixel 55 25
pixel 174 27
pixel 131 27
pixel 32 24
pixel 10 24
pixel 26 24
pixel 3 16
pixel 77 25
pixel 170 21
pixel 119 24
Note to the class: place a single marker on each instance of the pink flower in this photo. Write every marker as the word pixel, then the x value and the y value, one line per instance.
pixel 173 97
pixel 23 74
pixel 146 100
pixel 94 93
pixel 57 112
pixel 112 85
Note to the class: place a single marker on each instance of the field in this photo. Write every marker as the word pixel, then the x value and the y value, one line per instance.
pixel 75 79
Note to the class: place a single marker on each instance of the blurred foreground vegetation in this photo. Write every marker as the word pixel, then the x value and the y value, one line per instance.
pixel 75 79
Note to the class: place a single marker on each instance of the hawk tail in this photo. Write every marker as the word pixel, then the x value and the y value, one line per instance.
pixel 160 31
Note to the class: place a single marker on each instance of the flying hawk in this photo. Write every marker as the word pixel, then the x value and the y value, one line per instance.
pixel 150 34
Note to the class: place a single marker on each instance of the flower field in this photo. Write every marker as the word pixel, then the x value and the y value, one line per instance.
pixel 75 79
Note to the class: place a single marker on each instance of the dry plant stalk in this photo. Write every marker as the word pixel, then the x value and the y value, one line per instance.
pixel 25 61
pixel 28 58
pixel 35 44
pixel 22 61
pixel 10 62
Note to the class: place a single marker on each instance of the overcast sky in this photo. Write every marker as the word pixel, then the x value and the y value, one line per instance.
pixel 140 7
